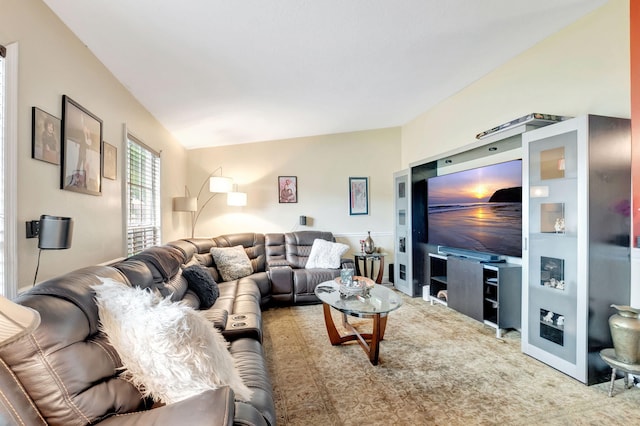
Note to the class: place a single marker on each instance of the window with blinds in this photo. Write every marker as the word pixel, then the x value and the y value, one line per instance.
pixel 143 195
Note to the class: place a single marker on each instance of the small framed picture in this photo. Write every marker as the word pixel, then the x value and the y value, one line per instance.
pixel 81 149
pixel 358 195
pixel 109 161
pixel 45 136
pixel 287 189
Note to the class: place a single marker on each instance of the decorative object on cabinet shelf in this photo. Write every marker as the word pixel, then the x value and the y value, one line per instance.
pixel 552 218
pixel 552 326
pixel 558 226
pixel 625 333
pixel 217 185
pixel 552 272
pixel 369 246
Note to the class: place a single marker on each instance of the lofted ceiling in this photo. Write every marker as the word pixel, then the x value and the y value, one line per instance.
pixel 220 72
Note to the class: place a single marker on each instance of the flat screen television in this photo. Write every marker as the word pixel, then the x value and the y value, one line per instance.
pixel 477 209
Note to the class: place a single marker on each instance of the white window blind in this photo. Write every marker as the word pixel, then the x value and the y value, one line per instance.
pixel 143 195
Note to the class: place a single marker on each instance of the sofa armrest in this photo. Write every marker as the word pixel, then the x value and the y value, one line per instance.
pixel 218 317
pixel 211 408
pixel 281 283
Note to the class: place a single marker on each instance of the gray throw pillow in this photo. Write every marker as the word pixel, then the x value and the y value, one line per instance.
pixel 232 262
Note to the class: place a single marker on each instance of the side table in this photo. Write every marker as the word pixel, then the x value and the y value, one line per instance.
pixel 371 258
pixel 609 356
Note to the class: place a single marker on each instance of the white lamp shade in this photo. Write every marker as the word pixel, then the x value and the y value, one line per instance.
pixel 185 204
pixel 220 184
pixel 236 198
pixel 16 321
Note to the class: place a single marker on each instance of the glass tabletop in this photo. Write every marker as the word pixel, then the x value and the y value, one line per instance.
pixel 375 254
pixel 380 300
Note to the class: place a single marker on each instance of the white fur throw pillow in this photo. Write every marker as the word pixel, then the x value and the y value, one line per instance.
pixel 232 262
pixel 170 351
pixel 325 254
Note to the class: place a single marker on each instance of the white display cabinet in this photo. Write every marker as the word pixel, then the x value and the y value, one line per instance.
pixel 576 247
pixel 402 271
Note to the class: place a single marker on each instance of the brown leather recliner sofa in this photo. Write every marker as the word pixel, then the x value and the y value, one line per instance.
pixel 66 373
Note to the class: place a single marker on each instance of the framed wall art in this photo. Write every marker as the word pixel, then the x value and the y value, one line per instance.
pixel 109 161
pixel 81 149
pixel 45 136
pixel 287 189
pixel 358 195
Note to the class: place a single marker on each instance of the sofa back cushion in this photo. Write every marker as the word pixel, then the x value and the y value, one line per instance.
pixel 253 244
pixel 65 365
pixel 298 245
pixel 164 264
pixel 275 248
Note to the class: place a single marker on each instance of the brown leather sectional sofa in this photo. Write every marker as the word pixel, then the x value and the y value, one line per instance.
pixel 65 372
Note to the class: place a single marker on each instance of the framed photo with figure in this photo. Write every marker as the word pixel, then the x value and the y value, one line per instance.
pixel 287 189
pixel 81 169
pixel 45 136
pixel 358 195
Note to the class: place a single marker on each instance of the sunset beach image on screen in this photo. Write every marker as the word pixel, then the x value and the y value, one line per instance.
pixel 478 209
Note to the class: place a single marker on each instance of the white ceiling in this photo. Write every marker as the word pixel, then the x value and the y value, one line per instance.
pixel 219 72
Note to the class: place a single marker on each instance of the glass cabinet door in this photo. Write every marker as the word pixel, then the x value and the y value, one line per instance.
pixel 553 245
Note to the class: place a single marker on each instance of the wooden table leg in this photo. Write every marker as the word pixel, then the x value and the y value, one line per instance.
pixel 380 270
pixel 334 336
pixel 370 343
pixel 376 336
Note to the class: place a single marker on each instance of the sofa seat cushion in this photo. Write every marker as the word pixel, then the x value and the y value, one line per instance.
pixel 232 262
pixel 169 351
pixel 305 282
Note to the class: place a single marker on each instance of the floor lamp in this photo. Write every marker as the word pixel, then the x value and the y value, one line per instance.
pixel 217 185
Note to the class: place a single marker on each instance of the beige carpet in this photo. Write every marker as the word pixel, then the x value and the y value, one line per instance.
pixel 437 367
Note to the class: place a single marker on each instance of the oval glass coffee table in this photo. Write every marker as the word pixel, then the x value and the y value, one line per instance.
pixel 376 304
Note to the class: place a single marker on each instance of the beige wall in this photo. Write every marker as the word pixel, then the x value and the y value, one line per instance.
pixel 584 68
pixel 323 165
pixel 581 69
pixel 53 62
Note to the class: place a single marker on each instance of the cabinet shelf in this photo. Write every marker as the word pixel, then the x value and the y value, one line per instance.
pixel 440 279
pixel 487 292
